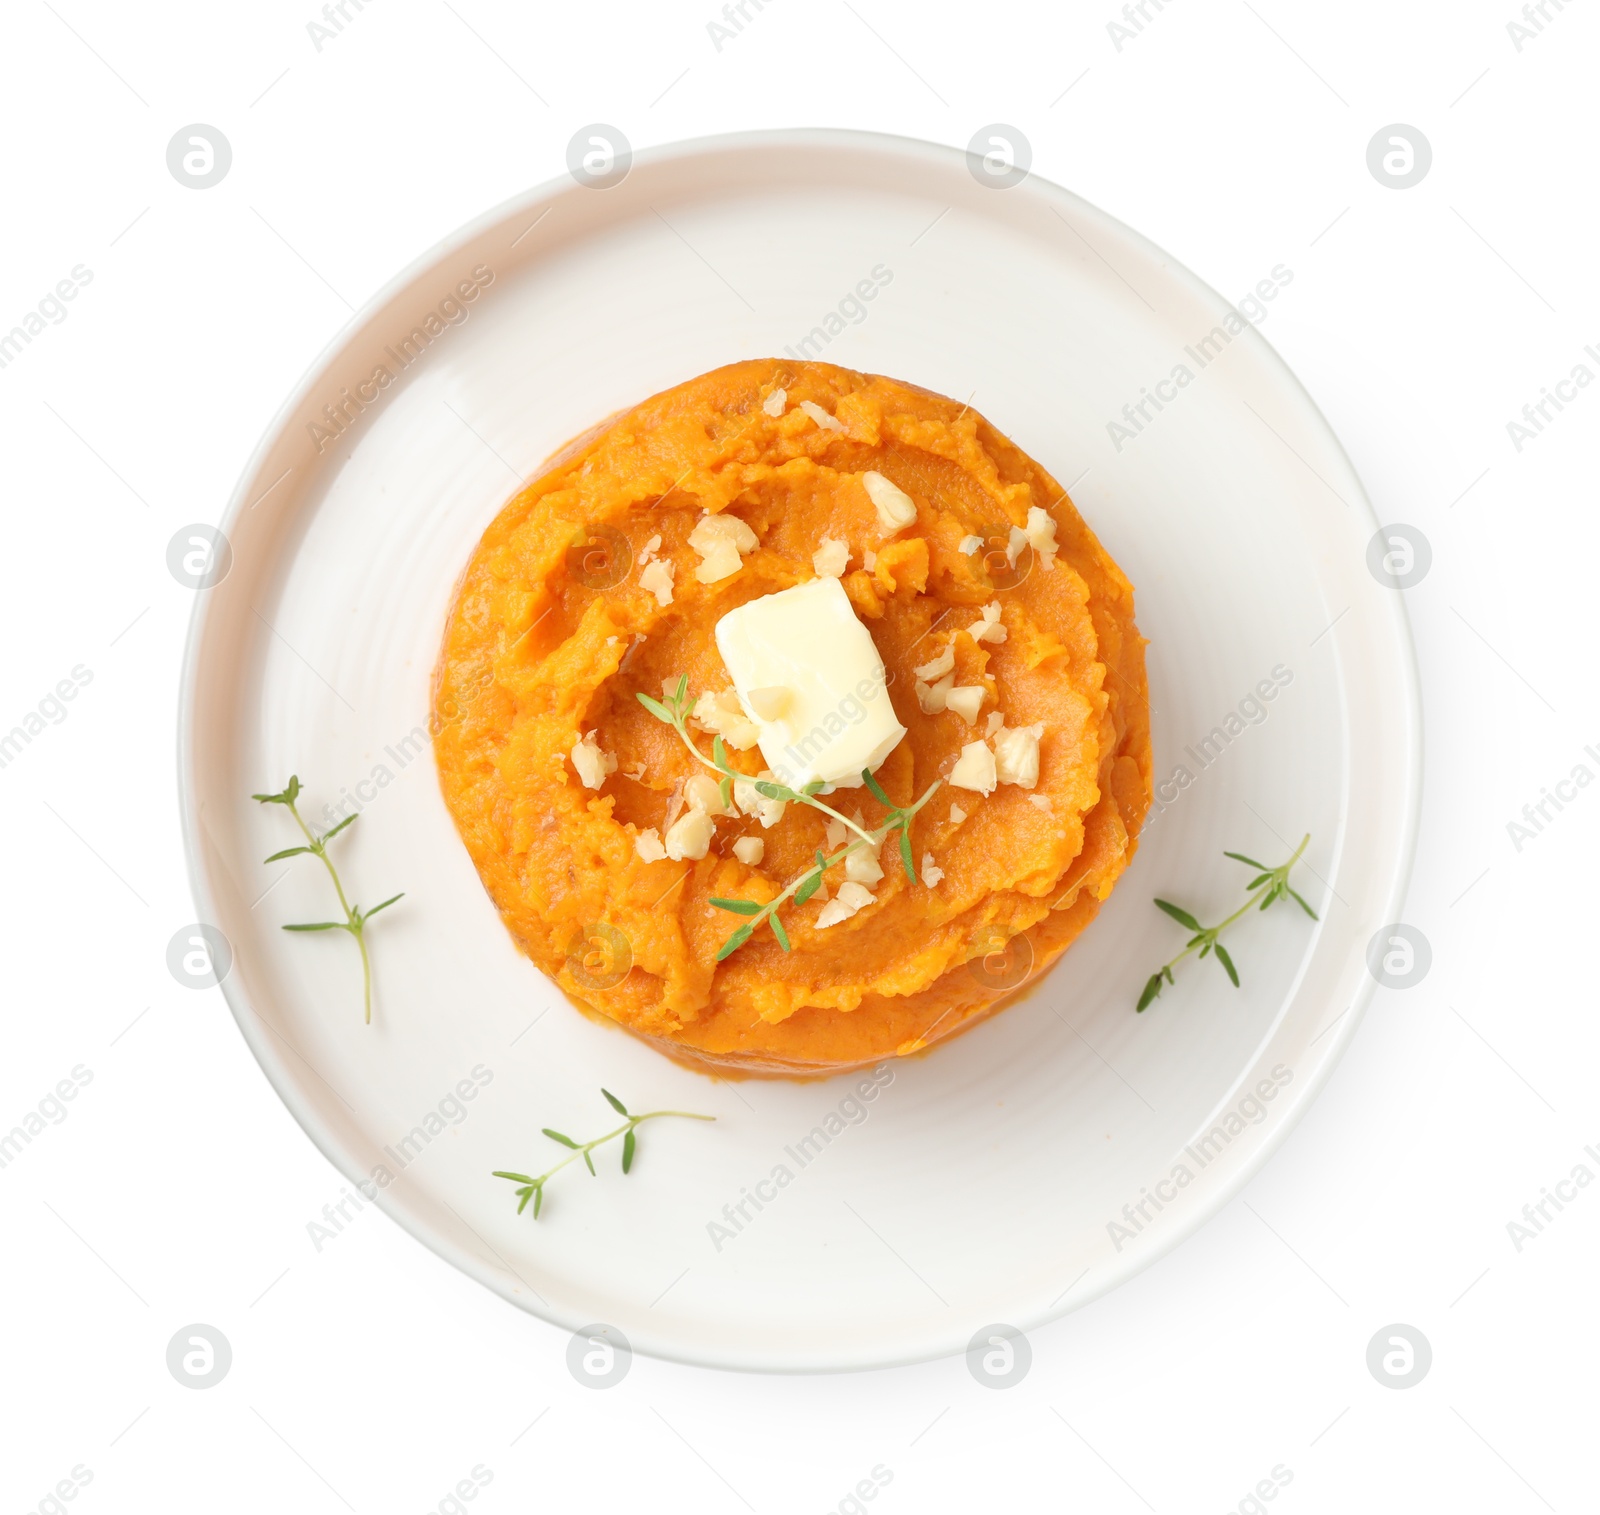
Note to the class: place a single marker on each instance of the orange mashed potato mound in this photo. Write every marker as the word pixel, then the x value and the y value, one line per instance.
pixel 552 636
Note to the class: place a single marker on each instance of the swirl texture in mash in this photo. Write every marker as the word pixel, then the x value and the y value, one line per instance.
pixel 552 635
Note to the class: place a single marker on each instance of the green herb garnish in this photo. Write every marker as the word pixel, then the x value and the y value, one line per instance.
pixel 1269 885
pixel 673 710
pixel 355 919
pixel 533 1188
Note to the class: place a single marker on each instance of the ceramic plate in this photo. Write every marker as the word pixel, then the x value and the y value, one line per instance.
pixel 1008 1176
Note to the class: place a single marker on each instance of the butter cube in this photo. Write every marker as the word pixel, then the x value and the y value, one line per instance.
pixel 838 719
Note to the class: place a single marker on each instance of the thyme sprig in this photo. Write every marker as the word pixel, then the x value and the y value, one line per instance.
pixel 533 1188
pixel 355 919
pixel 673 710
pixel 1268 886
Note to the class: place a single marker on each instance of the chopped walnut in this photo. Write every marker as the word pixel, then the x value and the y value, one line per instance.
pixel 751 801
pixel 821 417
pixel 723 715
pixel 931 697
pixel 987 628
pixel 896 509
pixel 591 763
pixel 704 793
pixel 974 769
pixel 832 558
pixel 657 578
pixel 966 700
pixel 720 539
pixel 850 898
pixel 1016 754
pixel 689 837
pixel 1042 536
pixel 863 868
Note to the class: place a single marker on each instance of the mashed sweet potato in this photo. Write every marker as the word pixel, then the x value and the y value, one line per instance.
pixel 552 635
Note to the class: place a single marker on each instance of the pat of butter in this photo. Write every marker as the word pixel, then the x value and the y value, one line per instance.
pixel 838 718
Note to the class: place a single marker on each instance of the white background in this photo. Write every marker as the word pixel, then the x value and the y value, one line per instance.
pixel 369 1376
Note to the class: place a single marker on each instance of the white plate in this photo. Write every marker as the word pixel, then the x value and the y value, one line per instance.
pixel 983 1183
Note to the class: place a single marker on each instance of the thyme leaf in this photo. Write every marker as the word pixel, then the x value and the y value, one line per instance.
pixel 532 1188
pixel 355 919
pixel 674 711
pixel 1268 886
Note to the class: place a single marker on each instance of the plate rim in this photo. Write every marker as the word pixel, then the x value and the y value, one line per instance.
pixel 882 144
